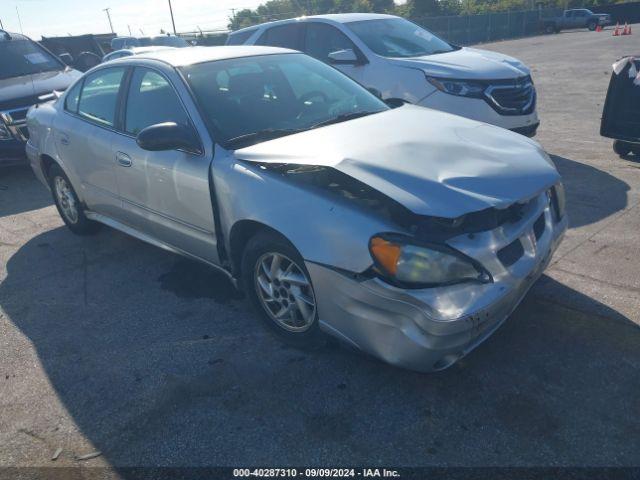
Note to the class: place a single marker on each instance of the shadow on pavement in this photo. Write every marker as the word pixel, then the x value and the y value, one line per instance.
pixel 20 191
pixel 154 372
pixel 592 194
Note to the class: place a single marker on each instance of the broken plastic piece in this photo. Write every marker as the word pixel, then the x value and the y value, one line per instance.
pixel 89 456
pixel 56 454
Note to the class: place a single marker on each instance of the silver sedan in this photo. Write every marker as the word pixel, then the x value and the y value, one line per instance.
pixel 408 233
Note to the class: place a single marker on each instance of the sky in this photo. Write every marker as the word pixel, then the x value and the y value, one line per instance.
pixel 63 17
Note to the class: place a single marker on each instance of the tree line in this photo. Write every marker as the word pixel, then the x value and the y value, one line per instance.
pixel 281 9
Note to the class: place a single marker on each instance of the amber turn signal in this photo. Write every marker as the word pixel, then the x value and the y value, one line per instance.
pixel 386 253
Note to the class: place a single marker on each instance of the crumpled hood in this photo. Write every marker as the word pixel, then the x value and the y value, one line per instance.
pixel 36 84
pixel 431 162
pixel 467 64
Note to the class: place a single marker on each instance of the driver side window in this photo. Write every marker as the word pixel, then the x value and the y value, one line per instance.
pixel 323 39
pixel 152 100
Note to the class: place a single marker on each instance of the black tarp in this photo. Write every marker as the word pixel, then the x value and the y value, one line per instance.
pixel 621 113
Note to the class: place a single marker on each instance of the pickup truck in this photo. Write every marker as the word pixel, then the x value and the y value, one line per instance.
pixel 29 74
pixel 576 18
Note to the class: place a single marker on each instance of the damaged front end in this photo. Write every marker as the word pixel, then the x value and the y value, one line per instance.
pixel 420 244
pixel 425 325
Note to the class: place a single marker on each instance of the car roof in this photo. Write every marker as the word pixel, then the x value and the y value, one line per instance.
pixel 332 17
pixel 179 57
pixel 11 36
pixel 149 49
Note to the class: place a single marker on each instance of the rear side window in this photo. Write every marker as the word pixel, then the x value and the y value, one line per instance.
pixel 323 39
pixel 100 96
pixel 240 37
pixel 152 100
pixel 73 98
pixel 285 36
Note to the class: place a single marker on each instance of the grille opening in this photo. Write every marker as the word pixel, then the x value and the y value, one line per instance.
pixel 511 253
pixel 539 226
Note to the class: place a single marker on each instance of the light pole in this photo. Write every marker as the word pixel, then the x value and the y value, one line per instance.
pixel 172 20
pixel 108 10
pixel 19 20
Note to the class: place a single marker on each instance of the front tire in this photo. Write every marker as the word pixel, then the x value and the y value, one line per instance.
pixel 278 284
pixel 69 206
pixel 621 148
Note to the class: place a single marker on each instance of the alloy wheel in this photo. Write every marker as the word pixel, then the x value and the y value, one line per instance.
pixel 66 199
pixel 285 292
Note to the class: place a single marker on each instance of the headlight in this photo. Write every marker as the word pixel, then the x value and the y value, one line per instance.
pixel 5 134
pixel 408 263
pixel 558 200
pixel 461 88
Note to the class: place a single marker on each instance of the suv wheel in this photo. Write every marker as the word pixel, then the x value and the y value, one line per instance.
pixel 68 204
pixel 276 280
pixel 592 26
pixel 621 148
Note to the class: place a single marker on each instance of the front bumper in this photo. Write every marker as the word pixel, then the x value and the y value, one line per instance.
pixel 478 109
pixel 430 329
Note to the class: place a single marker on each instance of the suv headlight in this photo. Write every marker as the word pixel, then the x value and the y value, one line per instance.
pixel 5 134
pixel 461 88
pixel 408 263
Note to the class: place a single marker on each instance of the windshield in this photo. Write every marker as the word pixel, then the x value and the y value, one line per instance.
pixel 266 96
pixel 24 57
pixel 397 37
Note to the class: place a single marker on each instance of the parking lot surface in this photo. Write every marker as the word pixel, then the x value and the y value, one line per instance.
pixel 108 344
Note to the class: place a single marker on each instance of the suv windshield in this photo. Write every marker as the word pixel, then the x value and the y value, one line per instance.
pixel 24 57
pixel 253 99
pixel 397 37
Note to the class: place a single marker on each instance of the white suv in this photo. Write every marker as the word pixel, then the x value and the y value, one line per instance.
pixel 400 59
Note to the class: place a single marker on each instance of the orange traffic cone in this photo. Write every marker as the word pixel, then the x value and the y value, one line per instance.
pixel 625 30
pixel 599 28
pixel 616 31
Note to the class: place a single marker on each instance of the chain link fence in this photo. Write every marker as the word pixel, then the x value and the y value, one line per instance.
pixel 471 29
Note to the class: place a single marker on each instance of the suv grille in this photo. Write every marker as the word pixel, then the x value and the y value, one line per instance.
pixel 512 97
pixel 16 122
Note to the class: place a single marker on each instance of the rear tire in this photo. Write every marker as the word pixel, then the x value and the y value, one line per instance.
pixel 550 29
pixel 278 284
pixel 621 148
pixel 592 26
pixel 69 206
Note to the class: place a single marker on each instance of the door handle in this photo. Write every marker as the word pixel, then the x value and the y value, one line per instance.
pixel 123 159
pixel 64 139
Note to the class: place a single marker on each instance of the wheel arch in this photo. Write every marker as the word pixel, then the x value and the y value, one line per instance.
pixel 46 161
pixel 241 232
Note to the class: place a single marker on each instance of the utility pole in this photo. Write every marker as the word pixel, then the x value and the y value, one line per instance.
pixel 108 10
pixel 172 20
pixel 19 21
pixel 129 27
pixel 1 25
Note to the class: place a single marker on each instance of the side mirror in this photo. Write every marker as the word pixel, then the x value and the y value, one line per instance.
pixel 67 59
pixel 375 91
pixel 168 136
pixel 395 102
pixel 345 57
